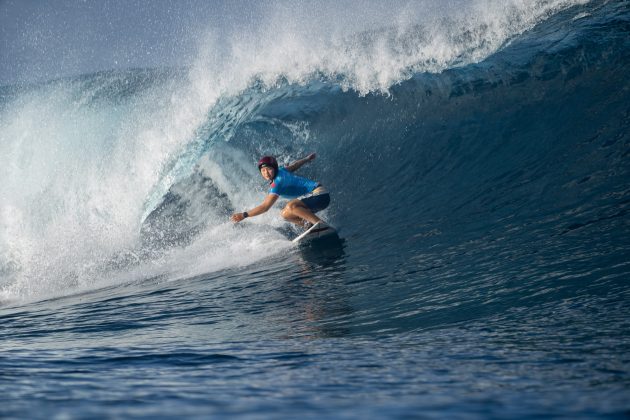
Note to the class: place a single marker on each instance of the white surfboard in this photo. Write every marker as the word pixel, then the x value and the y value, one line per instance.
pixel 318 230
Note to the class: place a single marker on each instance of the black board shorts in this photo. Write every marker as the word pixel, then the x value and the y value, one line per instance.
pixel 316 202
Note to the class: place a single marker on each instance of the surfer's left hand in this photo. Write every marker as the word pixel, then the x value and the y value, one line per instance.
pixel 237 217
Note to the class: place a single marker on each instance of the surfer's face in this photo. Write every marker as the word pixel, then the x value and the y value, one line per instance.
pixel 267 172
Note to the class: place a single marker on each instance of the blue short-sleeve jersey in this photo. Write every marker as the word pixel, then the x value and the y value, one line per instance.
pixel 288 185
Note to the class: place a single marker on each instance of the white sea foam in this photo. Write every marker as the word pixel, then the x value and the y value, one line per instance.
pixel 367 47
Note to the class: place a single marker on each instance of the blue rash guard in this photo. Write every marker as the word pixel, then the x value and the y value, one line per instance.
pixel 288 185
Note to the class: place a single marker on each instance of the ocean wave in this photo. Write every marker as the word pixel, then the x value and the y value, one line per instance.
pixel 474 114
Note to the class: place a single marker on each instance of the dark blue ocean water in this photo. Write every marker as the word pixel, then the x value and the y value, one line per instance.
pixel 482 272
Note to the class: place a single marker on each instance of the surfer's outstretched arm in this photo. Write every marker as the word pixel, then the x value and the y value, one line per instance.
pixel 263 208
pixel 298 163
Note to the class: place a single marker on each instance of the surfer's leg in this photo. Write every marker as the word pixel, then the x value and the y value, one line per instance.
pixel 296 212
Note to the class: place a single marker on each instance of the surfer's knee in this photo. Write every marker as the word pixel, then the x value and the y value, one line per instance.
pixel 287 211
pixel 291 205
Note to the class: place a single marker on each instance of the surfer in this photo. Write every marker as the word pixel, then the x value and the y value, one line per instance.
pixel 307 196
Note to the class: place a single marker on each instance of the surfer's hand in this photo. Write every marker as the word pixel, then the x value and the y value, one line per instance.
pixel 237 217
pixel 311 156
